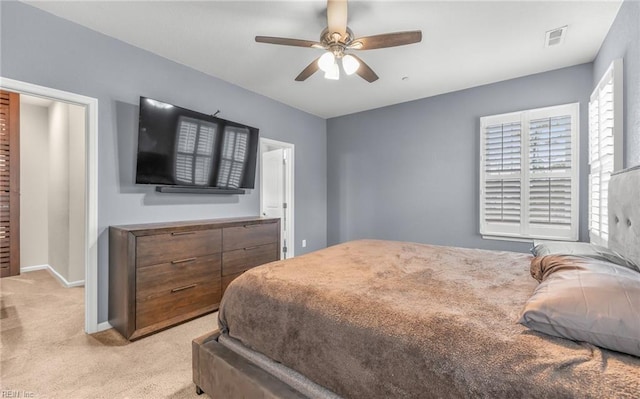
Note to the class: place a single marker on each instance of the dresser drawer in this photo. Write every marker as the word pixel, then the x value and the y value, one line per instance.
pixel 240 260
pixel 158 280
pixel 177 246
pixel 177 302
pixel 249 235
pixel 226 280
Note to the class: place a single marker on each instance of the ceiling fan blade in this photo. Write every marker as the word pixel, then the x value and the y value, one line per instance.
pixel 365 71
pixel 337 17
pixel 288 42
pixel 386 40
pixel 308 71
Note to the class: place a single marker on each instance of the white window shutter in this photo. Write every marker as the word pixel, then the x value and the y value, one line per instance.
pixel 605 152
pixel 503 157
pixel 529 174
pixel 501 174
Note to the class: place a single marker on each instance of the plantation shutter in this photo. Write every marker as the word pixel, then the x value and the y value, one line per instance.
pixel 502 144
pixel 9 184
pixel 550 171
pixel 604 134
pixel 529 174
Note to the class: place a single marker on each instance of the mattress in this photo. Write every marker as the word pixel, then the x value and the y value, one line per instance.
pixel 378 319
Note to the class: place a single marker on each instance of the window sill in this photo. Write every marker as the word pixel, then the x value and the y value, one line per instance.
pixel 526 239
pixel 515 239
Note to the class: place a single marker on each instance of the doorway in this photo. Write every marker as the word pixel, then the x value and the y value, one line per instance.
pixel 90 246
pixel 277 189
pixel 52 188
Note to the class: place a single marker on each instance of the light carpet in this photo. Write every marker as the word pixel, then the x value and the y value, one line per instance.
pixel 46 354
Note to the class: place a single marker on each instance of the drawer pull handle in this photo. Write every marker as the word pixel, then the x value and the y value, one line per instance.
pixel 183 260
pixel 251 248
pixel 249 226
pixel 186 287
pixel 182 233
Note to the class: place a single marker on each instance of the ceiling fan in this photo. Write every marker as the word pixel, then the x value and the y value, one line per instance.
pixel 338 41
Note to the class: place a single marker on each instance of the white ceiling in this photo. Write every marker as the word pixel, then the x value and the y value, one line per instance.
pixel 465 44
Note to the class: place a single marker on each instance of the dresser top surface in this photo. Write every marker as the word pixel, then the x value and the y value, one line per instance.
pixel 140 229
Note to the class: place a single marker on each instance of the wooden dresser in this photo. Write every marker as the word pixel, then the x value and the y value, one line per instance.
pixel 162 274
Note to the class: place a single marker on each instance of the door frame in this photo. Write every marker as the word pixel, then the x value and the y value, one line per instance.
pixel 289 196
pixel 90 105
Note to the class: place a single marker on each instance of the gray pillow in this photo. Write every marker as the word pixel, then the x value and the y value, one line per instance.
pixel 544 248
pixel 587 300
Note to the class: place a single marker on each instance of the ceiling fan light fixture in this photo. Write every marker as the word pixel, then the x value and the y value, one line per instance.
pixel 350 64
pixel 333 73
pixel 336 39
pixel 327 61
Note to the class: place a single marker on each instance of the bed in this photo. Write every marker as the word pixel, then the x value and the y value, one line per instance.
pixel 382 319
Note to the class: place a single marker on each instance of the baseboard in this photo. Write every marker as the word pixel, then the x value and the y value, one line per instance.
pixel 78 283
pixel 57 275
pixel 105 325
pixel 28 269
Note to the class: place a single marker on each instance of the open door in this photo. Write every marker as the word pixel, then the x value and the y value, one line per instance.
pixel 273 191
pixel 9 184
pixel 277 189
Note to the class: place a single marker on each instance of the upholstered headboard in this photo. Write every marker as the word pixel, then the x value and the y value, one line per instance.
pixel 624 213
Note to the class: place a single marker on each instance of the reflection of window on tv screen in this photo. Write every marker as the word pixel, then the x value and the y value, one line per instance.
pixel 194 151
pixel 233 157
pixel 177 146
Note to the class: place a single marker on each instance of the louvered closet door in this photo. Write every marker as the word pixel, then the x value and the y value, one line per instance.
pixel 9 184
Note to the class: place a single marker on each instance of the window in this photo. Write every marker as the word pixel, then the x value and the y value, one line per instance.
pixel 605 148
pixel 529 174
pixel 194 152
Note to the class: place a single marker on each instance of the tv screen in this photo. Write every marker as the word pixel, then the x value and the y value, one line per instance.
pixel 180 147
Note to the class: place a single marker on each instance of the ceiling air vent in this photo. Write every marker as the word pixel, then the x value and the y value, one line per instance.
pixel 555 37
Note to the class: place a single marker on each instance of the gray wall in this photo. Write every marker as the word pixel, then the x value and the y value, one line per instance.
pixel 410 171
pixel 623 41
pixel 40 48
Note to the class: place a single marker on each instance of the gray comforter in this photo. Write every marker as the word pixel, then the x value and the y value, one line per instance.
pixel 382 319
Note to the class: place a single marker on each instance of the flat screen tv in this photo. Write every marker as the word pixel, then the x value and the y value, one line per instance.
pixel 184 148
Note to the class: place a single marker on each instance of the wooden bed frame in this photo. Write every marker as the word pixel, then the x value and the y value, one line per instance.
pixel 222 373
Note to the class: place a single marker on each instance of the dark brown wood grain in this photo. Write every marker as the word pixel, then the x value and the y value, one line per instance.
pixel 226 280
pixel 146 229
pixel 177 246
pixel 171 304
pixel 158 279
pixel 249 235
pixel 118 280
pixel 239 260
